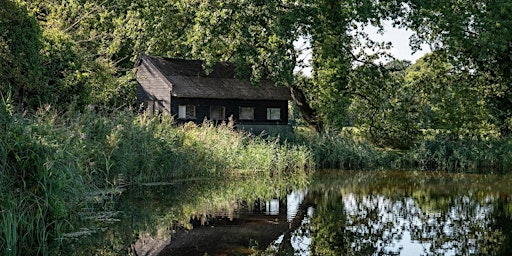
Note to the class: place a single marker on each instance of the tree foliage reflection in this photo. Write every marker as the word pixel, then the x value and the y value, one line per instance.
pixel 356 217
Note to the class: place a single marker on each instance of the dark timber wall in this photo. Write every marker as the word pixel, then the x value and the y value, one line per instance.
pixel 232 109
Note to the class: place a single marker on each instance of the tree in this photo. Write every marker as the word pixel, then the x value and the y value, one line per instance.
pixel 259 35
pixel 88 48
pixel 20 63
pixel 84 52
pixel 384 106
pixel 477 36
pixel 450 99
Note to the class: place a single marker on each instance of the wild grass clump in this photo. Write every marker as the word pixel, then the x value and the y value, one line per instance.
pixel 142 148
pixel 130 149
pixel 474 154
pixel 216 149
pixel 51 161
pixel 470 154
pixel 38 185
pixel 337 150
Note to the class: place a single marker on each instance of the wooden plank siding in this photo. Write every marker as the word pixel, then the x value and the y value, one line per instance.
pixel 165 84
pixel 152 87
pixel 232 108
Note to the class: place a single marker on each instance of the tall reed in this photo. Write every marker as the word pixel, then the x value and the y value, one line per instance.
pixel 38 183
pixel 337 150
pixel 466 154
pixel 51 160
pixel 475 154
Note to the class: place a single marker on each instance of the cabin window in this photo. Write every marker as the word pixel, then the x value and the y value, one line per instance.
pixel 246 113
pixel 155 106
pixel 217 112
pixel 150 106
pixel 273 114
pixel 159 106
pixel 187 112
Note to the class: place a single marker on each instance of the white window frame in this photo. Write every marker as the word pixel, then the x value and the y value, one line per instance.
pixel 274 114
pixel 186 112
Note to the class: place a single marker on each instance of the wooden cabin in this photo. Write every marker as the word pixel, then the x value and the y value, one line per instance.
pixel 183 89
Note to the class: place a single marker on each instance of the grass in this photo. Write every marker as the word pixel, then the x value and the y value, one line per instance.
pixel 51 161
pixel 464 154
pixel 467 154
pixel 345 150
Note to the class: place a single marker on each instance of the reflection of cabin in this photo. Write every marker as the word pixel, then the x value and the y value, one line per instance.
pixel 182 88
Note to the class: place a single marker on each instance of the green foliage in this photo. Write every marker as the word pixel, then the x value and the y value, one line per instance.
pixel 450 98
pixel 478 154
pixel 20 64
pixel 436 151
pixel 388 110
pixel 39 185
pixel 477 36
pixel 81 55
pixel 346 150
pixel 126 148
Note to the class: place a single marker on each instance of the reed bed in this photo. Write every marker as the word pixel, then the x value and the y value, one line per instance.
pixel 466 154
pixel 340 150
pixel 463 154
pixel 51 162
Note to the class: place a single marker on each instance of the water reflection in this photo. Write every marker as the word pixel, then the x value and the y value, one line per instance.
pixel 232 216
pixel 395 214
pixel 334 213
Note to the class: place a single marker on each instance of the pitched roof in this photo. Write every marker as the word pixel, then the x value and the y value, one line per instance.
pixel 189 80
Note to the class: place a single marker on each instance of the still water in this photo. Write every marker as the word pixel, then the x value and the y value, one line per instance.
pixel 330 213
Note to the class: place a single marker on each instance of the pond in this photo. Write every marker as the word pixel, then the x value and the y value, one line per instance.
pixel 330 213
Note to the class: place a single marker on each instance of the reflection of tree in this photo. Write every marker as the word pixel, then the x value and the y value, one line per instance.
pixel 503 221
pixel 359 228
pixel 154 212
pixel 328 229
pixel 464 228
pixel 372 220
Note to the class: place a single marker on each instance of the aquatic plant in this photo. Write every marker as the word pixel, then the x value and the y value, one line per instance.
pixel 348 150
pixel 38 185
pixel 462 154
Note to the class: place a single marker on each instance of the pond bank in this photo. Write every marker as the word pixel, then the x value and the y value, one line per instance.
pixel 52 162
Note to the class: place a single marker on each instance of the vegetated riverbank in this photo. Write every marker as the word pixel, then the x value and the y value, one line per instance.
pixel 52 164
pixel 435 151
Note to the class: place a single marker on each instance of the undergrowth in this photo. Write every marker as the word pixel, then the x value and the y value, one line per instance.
pixel 51 161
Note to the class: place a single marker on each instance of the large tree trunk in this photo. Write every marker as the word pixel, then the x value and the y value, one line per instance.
pixel 309 114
